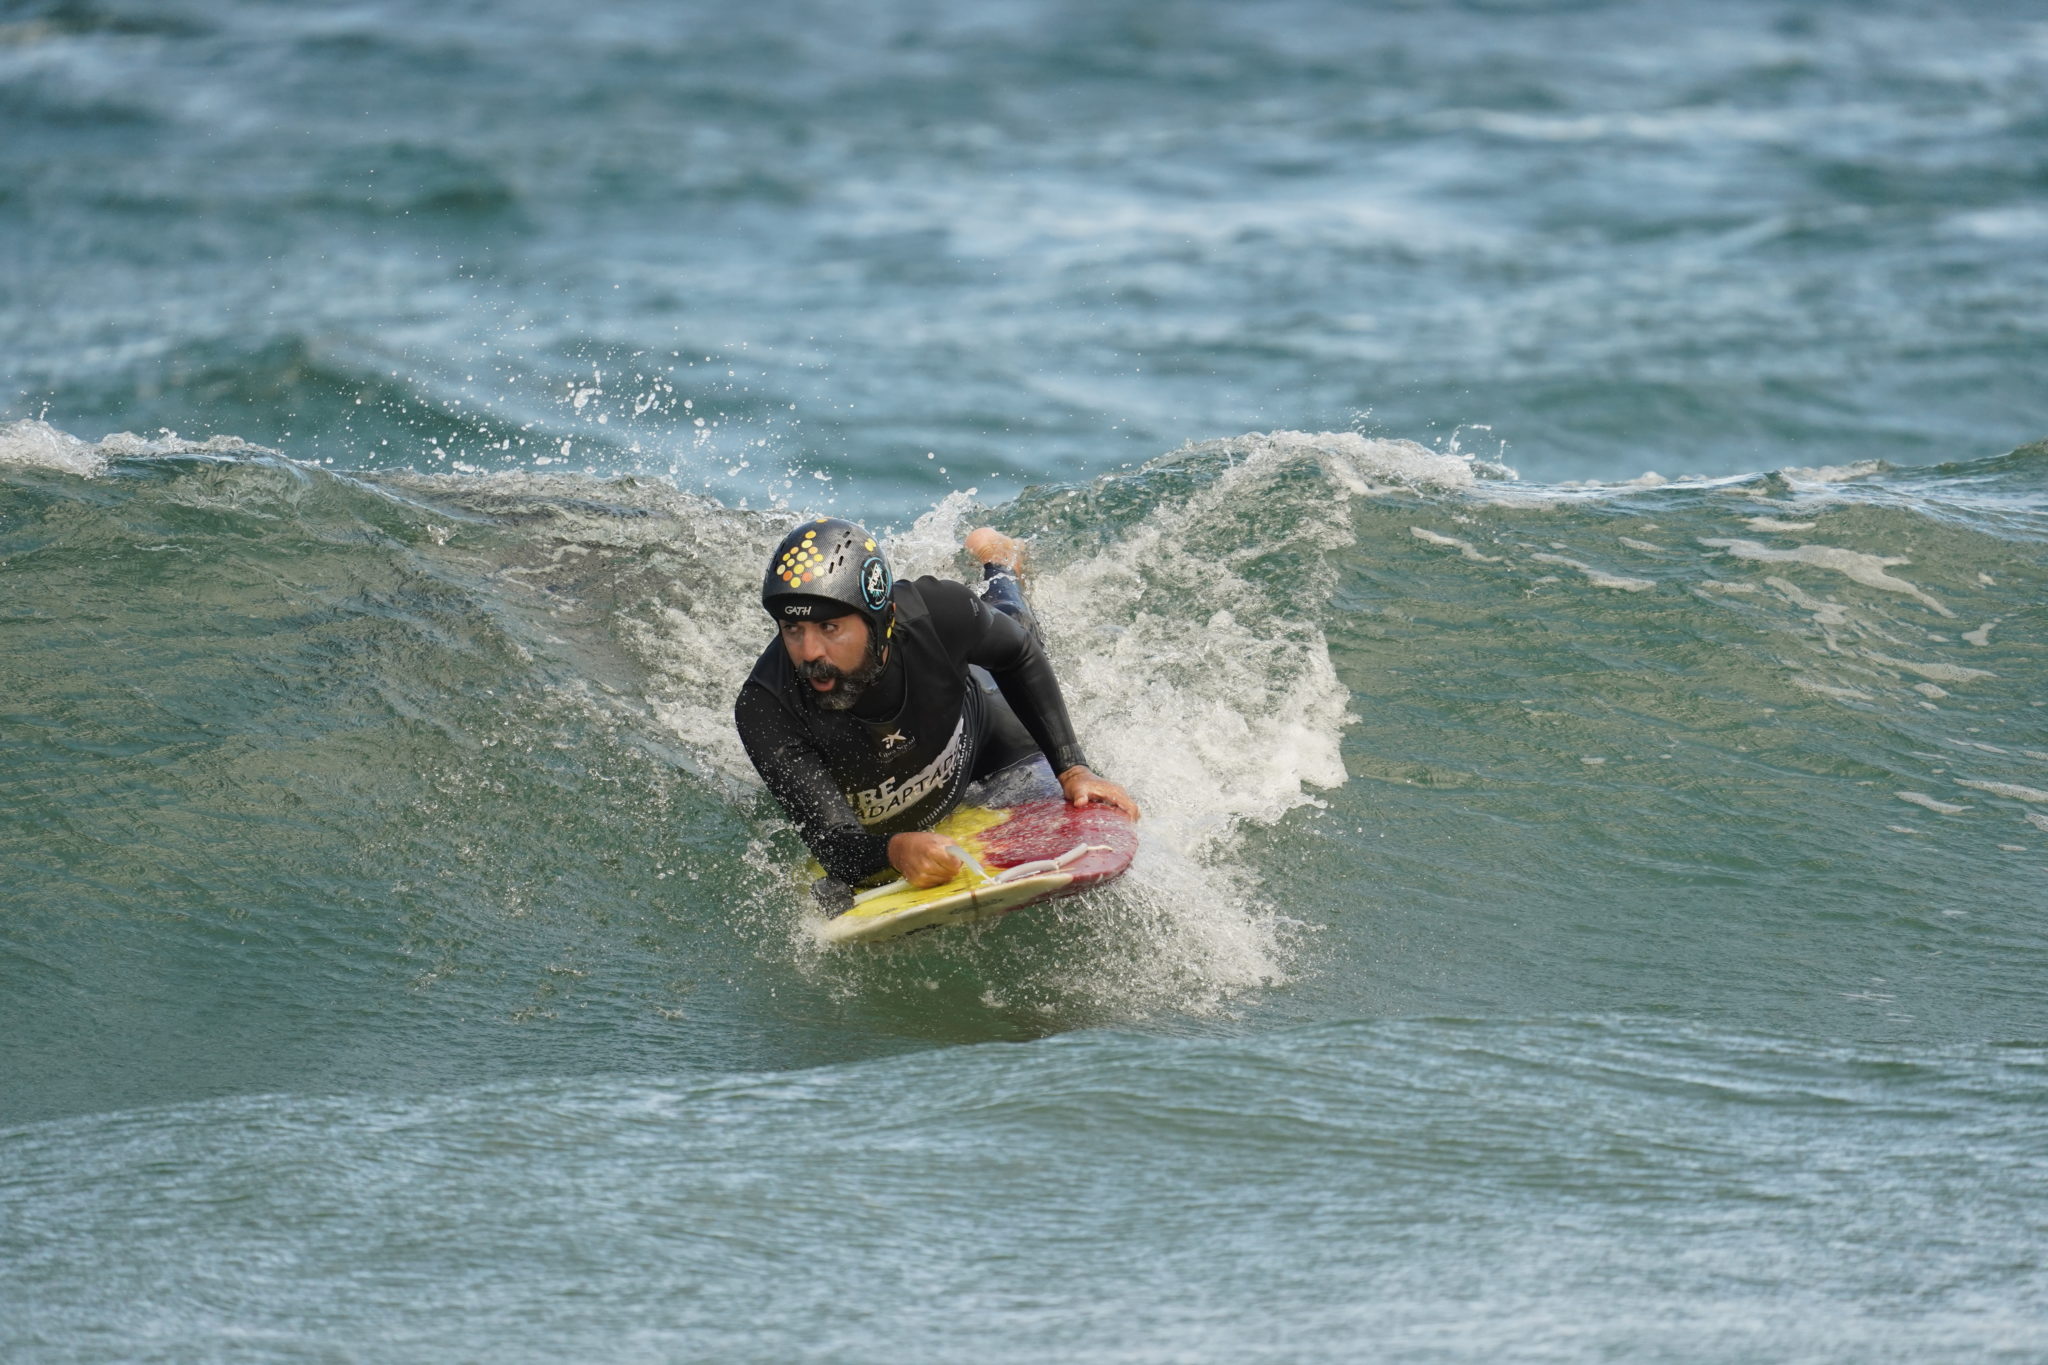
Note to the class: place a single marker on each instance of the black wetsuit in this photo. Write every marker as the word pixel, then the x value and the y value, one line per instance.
pixel 899 758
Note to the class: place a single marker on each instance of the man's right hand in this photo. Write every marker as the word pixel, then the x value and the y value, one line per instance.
pixel 925 859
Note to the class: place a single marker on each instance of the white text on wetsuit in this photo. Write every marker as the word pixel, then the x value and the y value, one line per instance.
pixel 877 804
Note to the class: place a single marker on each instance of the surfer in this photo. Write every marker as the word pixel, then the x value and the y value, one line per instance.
pixel 879 701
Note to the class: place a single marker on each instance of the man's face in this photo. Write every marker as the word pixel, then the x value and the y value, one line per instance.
pixel 831 658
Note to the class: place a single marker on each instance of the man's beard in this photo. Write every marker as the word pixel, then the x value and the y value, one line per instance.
pixel 847 688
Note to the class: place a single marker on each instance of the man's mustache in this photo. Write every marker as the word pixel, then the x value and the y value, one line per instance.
pixel 819 670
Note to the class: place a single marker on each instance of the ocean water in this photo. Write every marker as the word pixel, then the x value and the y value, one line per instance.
pixel 1544 501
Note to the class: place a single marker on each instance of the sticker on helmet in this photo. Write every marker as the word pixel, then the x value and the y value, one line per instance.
pixel 874 582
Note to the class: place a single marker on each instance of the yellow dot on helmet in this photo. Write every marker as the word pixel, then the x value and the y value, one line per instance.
pixel 871 545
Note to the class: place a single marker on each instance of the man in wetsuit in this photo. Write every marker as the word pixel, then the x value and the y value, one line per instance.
pixel 879 701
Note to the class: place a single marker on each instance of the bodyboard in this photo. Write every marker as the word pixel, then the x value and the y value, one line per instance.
pixel 1031 847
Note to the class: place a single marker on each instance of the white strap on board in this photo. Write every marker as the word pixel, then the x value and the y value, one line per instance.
pixel 1044 865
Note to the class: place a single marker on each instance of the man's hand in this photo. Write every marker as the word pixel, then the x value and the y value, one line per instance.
pixel 1085 788
pixel 925 859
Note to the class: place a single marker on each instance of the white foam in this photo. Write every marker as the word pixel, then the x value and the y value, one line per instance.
pixel 1216 708
pixel 1935 672
pixel 1773 524
pixel 1824 613
pixel 1652 479
pixel 2039 822
pixel 1868 570
pixel 39 445
pixel 1642 545
pixel 932 544
pixel 1923 799
pixel 2007 789
pixel 1463 547
pixel 1597 577
pixel 703 658
pixel 1981 636
pixel 1831 473
pixel 1830 690
pixel 1369 466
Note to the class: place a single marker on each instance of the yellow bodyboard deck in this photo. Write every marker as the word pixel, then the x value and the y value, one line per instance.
pixel 1022 854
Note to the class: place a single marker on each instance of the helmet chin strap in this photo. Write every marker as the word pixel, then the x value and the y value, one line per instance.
pixel 888 632
pixel 878 648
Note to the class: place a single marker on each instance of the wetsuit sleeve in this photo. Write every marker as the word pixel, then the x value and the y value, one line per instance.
pixel 799 779
pixel 979 634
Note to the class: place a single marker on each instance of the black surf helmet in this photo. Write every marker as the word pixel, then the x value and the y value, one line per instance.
pixel 828 567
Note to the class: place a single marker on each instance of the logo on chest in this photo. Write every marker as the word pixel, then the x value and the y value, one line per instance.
pixel 891 798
